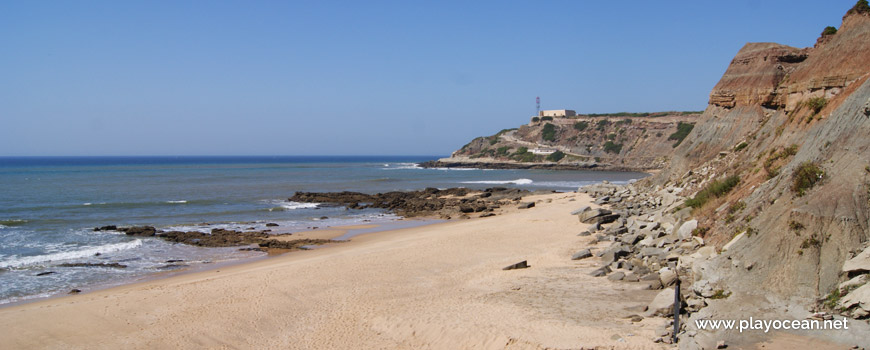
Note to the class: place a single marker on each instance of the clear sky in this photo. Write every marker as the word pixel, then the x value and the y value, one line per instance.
pixel 356 77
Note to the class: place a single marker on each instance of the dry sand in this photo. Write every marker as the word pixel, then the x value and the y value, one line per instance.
pixel 438 287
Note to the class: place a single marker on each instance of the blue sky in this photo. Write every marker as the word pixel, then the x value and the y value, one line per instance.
pixel 356 77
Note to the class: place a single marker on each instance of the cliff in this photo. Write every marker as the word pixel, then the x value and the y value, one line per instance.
pixel 793 125
pixel 620 141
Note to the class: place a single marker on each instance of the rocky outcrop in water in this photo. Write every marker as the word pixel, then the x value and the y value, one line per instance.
pixel 216 238
pixel 428 202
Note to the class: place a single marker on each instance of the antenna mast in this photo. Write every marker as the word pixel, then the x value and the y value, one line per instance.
pixel 538 105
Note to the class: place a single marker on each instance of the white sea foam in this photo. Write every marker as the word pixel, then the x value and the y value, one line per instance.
pixel 399 166
pixel 298 205
pixel 502 182
pixel 75 254
pixel 177 202
pixel 87 204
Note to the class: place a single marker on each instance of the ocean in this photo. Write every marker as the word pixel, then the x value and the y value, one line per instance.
pixel 50 205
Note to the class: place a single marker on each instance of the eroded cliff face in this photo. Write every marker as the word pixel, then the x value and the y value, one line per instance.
pixel 776 112
pixel 782 77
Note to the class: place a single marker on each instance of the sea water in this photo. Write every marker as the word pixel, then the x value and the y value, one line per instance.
pixel 49 207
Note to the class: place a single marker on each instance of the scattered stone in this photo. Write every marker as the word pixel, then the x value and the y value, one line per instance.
pixel 858 264
pixel 581 210
pixel 46 273
pixel 589 216
pixel 631 277
pixel 721 344
pixel 685 231
pixel 616 276
pixel 106 228
pixel 601 271
pixel 636 318
pixel 520 265
pixel 585 233
pixel 486 215
pixel 526 205
pixel 583 254
pixel 174 260
pixel 271 224
pixel 74 291
pixel 663 304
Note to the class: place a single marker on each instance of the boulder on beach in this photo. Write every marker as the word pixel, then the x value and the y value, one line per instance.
pixel 520 265
pixel 583 254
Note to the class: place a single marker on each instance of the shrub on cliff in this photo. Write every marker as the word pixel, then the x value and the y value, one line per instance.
pixel 535 119
pixel 603 123
pixel 861 7
pixel 683 130
pixel 805 176
pixel 580 126
pixel 548 118
pixel 817 103
pixel 829 31
pixel 556 156
pixel 611 147
pixel 715 189
pixel 549 132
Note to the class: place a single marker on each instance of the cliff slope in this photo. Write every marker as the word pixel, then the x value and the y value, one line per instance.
pixel 794 126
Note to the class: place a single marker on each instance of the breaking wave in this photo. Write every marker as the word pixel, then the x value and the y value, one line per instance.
pixel 74 254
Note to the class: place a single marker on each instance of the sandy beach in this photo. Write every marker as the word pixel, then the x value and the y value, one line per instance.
pixel 438 286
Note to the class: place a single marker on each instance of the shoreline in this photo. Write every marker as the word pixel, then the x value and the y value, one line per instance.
pixel 340 233
pixel 450 269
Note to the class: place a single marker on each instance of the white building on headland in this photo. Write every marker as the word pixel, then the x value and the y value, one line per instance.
pixel 558 113
pixel 542 151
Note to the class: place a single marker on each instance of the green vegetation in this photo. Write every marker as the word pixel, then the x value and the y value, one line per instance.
pixel 715 189
pixel 493 140
pixel 829 31
pixel 611 136
pixel 769 163
pixel 549 132
pixel 624 121
pixel 832 299
pixel 741 146
pixel 580 126
pixel 736 207
pixel 502 151
pixel 523 155
pixel 556 156
pixel 547 119
pixel 811 242
pixel 535 119
pixel 805 177
pixel 795 226
pixel 603 123
pixel 683 130
pixel 861 7
pixel 643 114
pixel 611 147
pixel 720 294
pixel 700 231
pixel 816 103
